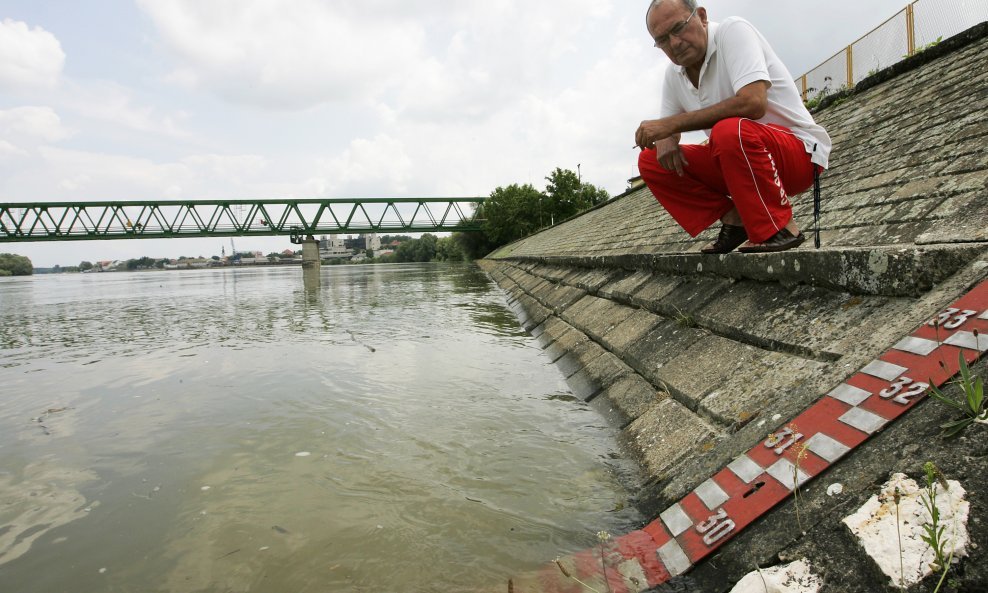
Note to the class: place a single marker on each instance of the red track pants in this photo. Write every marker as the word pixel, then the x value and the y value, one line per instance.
pixel 754 167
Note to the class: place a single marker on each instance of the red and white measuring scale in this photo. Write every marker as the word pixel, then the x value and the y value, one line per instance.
pixel 767 474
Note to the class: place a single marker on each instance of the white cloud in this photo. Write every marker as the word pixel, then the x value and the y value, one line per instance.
pixel 236 169
pixel 32 124
pixel 29 58
pixel 115 104
pixel 284 55
pixel 7 150
pixel 85 176
pixel 425 58
pixel 376 167
pixel 24 129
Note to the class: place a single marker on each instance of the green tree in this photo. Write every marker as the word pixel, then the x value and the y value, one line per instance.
pixel 85 265
pixel 511 213
pixel 385 239
pixel 143 263
pixel 565 196
pixel 15 265
pixel 517 211
pixel 425 250
pixel 473 245
pixel 422 249
pixel 448 249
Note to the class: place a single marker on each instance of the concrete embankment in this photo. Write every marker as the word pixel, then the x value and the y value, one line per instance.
pixel 697 358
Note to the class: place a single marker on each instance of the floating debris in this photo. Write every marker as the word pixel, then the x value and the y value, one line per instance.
pixel 303 454
pixel 354 338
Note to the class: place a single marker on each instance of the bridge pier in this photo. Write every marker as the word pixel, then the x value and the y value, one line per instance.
pixel 310 262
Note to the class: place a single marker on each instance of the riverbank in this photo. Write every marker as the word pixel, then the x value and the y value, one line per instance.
pixel 697 358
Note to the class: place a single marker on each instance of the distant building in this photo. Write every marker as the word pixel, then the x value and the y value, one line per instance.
pixel 110 265
pixel 334 247
pixel 340 247
pixel 372 242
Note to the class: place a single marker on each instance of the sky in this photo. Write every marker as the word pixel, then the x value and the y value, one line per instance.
pixel 227 99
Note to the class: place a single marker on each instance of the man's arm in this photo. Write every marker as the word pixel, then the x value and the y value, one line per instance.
pixel 750 102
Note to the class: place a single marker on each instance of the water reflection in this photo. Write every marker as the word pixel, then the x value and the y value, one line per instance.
pixel 443 451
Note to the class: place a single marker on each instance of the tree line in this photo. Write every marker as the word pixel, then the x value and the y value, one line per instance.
pixel 509 214
pixel 15 265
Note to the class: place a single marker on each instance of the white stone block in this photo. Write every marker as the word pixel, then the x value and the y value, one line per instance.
pixel 892 546
pixel 796 577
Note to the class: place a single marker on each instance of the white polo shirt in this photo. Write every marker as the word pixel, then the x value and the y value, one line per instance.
pixel 737 55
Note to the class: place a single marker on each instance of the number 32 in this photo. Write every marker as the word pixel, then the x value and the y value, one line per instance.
pixel 912 389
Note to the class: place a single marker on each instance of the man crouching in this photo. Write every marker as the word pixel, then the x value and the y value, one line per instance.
pixel 763 143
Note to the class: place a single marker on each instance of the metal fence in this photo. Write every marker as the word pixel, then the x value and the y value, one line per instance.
pixel 913 29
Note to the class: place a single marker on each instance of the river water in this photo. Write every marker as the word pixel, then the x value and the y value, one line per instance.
pixel 230 430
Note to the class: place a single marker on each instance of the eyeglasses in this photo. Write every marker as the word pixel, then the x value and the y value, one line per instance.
pixel 663 40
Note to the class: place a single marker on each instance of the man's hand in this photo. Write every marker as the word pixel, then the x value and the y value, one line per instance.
pixel 652 130
pixel 670 156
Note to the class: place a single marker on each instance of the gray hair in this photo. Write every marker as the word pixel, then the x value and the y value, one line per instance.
pixel 689 4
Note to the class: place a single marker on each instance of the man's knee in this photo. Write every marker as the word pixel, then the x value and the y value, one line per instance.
pixel 648 165
pixel 725 131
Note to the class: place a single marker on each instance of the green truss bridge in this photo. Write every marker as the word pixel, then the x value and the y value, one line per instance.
pixel 77 221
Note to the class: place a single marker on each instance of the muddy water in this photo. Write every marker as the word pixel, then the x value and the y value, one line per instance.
pixel 229 430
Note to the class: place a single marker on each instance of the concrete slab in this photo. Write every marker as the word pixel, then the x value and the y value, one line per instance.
pixel 582 353
pixel 628 398
pixel 801 319
pixel 599 317
pixel 561 297
pixel 667 340
pixel 593 279
pixel 666 434
pixel 604 371
pixel 535 311
pixel 622 289
pixel 706 366
pixel 744 394
pixel 656 288
pixel 552 328
pixel 635 327
pixel 577 309
pixel 688 297
pixel 569 339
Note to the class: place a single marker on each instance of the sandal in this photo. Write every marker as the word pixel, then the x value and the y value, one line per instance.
pixel 727 241
pixel 780 241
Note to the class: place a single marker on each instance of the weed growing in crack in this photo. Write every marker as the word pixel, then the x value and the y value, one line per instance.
pixel 684 318
pixel 972 406
pixel 933 530
pixel 896 497
pixel 800 457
